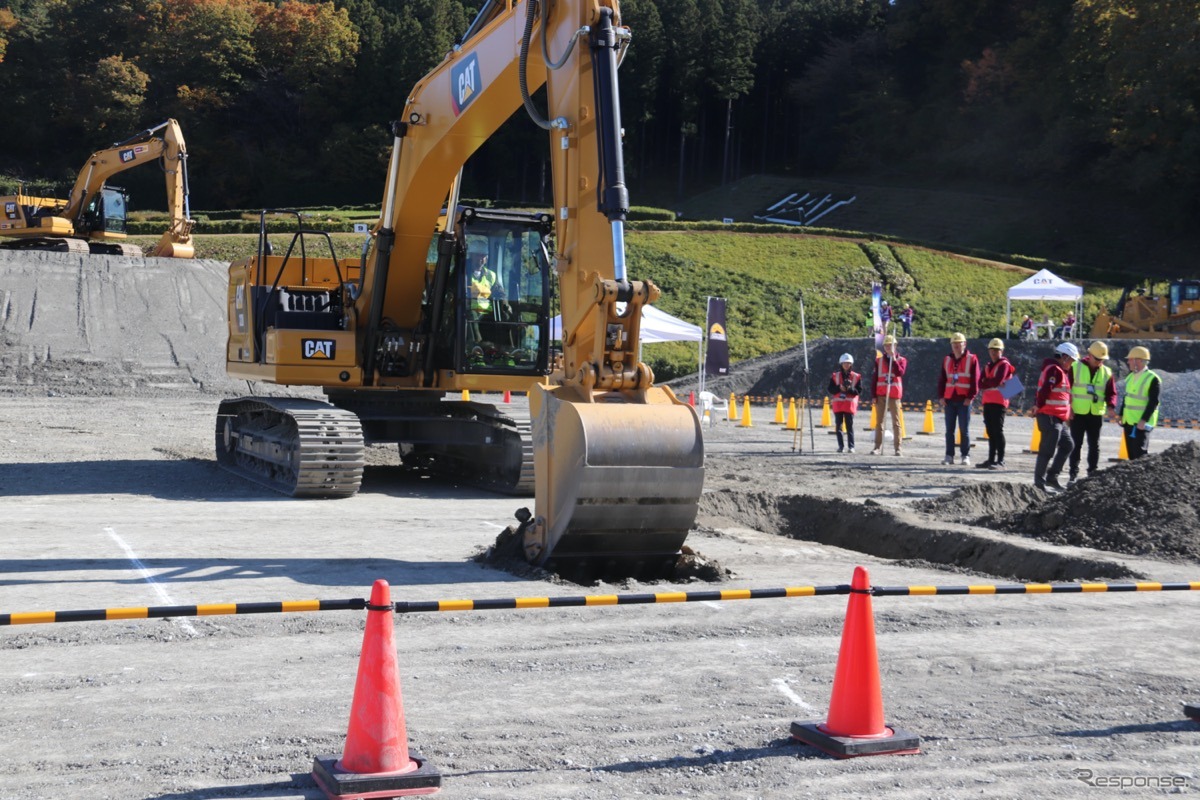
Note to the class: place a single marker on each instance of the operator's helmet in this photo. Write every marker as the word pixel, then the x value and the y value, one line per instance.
pixel 1067 349
pixel 1139 352
pixel 1099 350
pixel 958 337
pixel 996 344
pixel 889 339
pixel 846 359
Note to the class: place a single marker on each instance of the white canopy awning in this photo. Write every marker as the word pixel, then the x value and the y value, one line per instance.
pixel 657 326
pixel 1045 285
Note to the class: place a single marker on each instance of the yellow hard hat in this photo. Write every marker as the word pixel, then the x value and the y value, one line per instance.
pixel 889 339
pixel 1139 352
pixel 996 344
pixel 958 337
pixel 1099 350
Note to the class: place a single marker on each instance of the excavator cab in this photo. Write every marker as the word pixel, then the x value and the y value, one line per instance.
pixel 500 269
pixel 107 213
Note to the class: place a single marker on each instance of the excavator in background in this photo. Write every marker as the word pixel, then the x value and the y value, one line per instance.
pixel 93 217
pixel 1141 314
pixel 448 298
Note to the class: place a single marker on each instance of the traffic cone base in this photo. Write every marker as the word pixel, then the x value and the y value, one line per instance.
pixel 338 784
pixel 893 741
pixel 1192 711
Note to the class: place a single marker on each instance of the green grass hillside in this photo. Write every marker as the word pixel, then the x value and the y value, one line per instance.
pixel 762 276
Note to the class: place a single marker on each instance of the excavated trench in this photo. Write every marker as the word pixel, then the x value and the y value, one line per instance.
pixel 899 535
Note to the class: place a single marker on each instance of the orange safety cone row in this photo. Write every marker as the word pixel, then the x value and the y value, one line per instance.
pixel 376 761
pixel 855 725
pixel 466 395
pixel 826 417
pixel 779 418
pixel 733 407
pixel 692 399
pixel 507 396
pixel 927 428
pixel 746 423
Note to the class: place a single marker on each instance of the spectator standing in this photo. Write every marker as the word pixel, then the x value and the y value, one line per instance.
pixel 995 405
pixel 1139 408
pixel 1093 393
pixel 889 388
pixel 958 383
pixel 845 386
pixel 906 319
pixel 885 314
pixel 1052 405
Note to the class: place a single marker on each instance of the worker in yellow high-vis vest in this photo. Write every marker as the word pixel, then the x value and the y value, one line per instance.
pixel 1093 395
pixel 1139 408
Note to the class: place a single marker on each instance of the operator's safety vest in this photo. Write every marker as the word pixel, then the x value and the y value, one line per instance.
pixel 1137 397
pixel 958 377
pixel 481 290
pixel 883 388
pixel 991 370
pixel 1058 401
pixel 1087 396
pixel 845 404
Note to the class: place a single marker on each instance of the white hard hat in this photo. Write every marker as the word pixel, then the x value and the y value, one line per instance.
pixel 846 359
pixel 1068 349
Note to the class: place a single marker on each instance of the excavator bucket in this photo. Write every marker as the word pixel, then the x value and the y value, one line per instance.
pixel 617 481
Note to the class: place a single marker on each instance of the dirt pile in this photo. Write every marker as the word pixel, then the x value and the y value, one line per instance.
pixel 1143 507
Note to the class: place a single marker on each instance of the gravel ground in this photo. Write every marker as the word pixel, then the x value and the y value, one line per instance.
pixel 110 497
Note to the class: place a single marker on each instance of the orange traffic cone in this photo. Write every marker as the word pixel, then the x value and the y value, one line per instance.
pixel 1035 440
pixel 855 725
pixel 376 761
pixel 507 395
pixel 1122 451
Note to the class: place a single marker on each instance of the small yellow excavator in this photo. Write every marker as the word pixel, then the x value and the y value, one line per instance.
pixel 1141 314
pixel 447 298
pixel 93 217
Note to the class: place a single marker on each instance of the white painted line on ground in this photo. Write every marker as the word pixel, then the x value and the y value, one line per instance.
pixel 494 525
pixel 162 593
pixel 787 692
pixel 712 604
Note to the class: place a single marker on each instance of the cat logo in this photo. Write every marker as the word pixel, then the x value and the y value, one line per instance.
pixel 126 156
pixel 322 349
pixel 717 332
pixel 464 83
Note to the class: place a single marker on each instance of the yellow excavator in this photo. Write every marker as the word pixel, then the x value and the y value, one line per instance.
pixel 93 217
pixel 448 298
pixel 1142 314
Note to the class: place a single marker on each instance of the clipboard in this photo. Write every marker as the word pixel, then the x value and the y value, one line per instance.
pixel 1011 388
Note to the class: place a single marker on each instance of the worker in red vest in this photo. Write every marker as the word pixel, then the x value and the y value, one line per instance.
pixel 889 388
pixel 1052 405
pixel 844 388
pixel 996 373
pixel 958 383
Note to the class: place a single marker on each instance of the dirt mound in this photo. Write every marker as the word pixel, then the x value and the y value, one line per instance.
pixel 1143 507
pixel 978 501
pixel 506 554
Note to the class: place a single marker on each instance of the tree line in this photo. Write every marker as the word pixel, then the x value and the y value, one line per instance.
pixel 287 102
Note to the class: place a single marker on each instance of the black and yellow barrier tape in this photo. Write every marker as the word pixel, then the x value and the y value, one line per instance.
pixel 575 601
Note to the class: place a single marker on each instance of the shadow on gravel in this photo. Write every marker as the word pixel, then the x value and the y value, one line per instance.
pixel 302 784
pixel 777 748
pixel 196 479
pixel 1145 727
pixel 312 571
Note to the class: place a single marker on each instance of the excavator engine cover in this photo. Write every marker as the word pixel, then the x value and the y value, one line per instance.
pixel 617 481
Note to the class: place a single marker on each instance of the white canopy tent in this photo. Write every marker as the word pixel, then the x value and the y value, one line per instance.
pixel 657 326
pixel 1045 285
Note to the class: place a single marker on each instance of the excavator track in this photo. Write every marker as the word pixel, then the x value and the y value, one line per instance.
pixel 301 448
pixel 504 464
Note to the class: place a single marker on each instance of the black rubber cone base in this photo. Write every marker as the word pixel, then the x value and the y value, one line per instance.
pixel 1193 712
pixel 340 785
pixel 899 742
